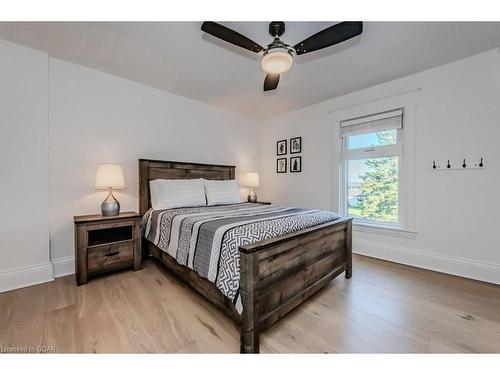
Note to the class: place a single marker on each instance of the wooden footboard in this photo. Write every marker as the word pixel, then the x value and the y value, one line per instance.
pixel 278 274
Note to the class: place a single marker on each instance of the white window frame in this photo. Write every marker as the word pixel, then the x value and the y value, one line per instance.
pixel 405 148
pixel 371 153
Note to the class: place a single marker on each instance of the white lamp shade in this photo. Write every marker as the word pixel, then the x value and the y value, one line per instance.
pixel 252 179
pixel 109 175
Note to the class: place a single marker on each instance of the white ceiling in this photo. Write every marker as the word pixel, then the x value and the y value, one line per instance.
pixel 179 58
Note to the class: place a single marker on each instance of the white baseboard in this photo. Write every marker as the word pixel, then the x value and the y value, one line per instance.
pixel 64 266
pixel 31 275
pixel 423 259
pixel 21 277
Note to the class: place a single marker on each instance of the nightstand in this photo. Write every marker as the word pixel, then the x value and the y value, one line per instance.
pixel 106 243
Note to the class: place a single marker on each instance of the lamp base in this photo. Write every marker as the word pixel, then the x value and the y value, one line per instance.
pixel 110 206
pixel 252 197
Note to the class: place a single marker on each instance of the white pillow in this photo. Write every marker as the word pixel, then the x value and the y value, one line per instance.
pixel 167 194
pixel 222 192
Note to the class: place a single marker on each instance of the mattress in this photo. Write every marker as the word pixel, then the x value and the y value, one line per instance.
pixel 207 239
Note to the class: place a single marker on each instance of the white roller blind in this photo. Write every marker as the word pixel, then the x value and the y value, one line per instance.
pixel 372 123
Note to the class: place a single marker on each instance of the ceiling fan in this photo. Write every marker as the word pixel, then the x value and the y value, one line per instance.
pixel 277 57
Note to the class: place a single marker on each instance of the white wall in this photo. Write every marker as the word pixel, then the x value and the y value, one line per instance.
pixel 99 118
pixel 59 120
pixel 458 212
pixel 24 195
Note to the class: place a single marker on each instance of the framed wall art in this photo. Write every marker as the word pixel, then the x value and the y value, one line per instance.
pixel 296 164
pixel 295 145
pixel 281 147
pixel 281 165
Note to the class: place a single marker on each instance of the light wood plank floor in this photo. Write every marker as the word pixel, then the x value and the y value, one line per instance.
pixel 385 307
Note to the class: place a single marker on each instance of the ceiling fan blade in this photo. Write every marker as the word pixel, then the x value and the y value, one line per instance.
pixel 271 82
pixel 230 36
pixel 328 37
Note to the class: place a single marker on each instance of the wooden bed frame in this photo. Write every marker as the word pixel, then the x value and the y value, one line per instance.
pixel 276 275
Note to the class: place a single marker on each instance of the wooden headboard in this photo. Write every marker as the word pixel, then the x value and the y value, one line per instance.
pixel 174 170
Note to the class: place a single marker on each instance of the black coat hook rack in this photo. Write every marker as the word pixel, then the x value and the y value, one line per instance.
pixel 462 164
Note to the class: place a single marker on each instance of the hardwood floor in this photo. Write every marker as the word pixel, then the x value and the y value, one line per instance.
pixel 384 308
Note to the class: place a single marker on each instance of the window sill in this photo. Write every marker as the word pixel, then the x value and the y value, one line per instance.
pixel 384 230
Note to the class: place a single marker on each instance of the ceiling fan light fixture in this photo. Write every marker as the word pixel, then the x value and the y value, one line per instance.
pixel 278 56
pixel 277 61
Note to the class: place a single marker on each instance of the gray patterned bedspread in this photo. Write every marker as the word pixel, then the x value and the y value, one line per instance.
pixel 207 239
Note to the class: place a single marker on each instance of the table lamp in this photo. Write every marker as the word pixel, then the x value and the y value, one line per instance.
pixel 110 176
pixel 252 180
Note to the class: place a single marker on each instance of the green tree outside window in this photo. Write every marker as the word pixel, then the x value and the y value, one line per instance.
pixel 379 185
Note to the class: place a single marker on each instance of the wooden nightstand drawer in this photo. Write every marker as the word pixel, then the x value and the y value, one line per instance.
pixel 109 257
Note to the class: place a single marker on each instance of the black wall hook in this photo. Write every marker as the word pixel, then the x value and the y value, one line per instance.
pixel 448 165
pixel 464 165
pixel 434 164
pixel 481 163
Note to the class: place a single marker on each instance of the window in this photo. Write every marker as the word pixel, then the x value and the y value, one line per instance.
pixel 371 163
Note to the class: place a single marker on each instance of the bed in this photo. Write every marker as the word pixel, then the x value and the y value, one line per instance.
pixel 255 262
